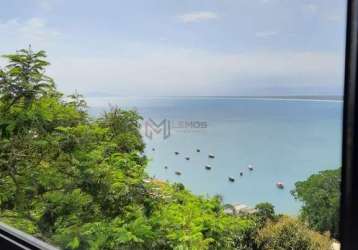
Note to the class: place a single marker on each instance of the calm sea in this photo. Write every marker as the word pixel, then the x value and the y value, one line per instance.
pixel 284 140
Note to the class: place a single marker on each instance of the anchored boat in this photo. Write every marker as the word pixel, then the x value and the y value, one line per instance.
pixel 280 185
pixel 231 179
pixel 208 167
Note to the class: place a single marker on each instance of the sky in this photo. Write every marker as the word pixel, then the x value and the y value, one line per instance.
pixel 183 48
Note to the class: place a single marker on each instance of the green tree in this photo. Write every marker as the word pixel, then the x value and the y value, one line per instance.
pixel 80 182
pixel 265 211
pixel 290 233
pixel 320 195
pixel 24 78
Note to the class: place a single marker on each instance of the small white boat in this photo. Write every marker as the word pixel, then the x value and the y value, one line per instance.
pixel 250 167
pixel 280 185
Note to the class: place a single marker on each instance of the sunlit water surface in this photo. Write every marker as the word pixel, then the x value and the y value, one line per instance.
pixel 285 140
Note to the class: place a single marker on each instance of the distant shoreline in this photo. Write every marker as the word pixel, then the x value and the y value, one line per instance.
pixel 273 98
pixel 298 97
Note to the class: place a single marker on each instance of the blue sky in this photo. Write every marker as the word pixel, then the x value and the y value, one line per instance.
pixel 175 48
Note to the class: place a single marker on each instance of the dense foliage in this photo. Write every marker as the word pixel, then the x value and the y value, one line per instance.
pixel 80 183
pixel 289 233
pixel 320 195
pixel 265 212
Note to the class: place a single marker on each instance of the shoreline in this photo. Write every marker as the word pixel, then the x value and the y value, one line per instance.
pixel 100 102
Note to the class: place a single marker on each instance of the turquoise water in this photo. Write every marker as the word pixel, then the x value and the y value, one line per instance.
pixel 285 140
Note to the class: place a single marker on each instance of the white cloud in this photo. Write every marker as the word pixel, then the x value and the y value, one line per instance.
pixel 334 18
pixel 311 7
pixel 324 13
pixel 46 5
pixel 163 39
pixel 265 34
pixel 17 34
pixel 198 16
pixel 36 29
pixel 195 72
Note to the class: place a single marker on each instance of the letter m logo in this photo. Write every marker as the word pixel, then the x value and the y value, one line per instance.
pixel 153 127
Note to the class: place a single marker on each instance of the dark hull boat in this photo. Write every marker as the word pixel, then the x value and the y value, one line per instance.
pixel 177 172
pixel 231 179
pixel 208 167
pixel 211 156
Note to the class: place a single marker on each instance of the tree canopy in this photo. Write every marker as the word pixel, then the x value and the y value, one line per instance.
pixel 320 195
pixel 290 233
pixel 80 182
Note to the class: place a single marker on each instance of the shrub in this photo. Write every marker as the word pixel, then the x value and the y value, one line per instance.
pixel 290 233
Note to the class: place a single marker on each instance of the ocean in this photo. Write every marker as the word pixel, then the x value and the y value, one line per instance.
pixel 284 140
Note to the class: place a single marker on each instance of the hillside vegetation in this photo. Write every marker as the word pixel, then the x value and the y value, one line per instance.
pixel 80 183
